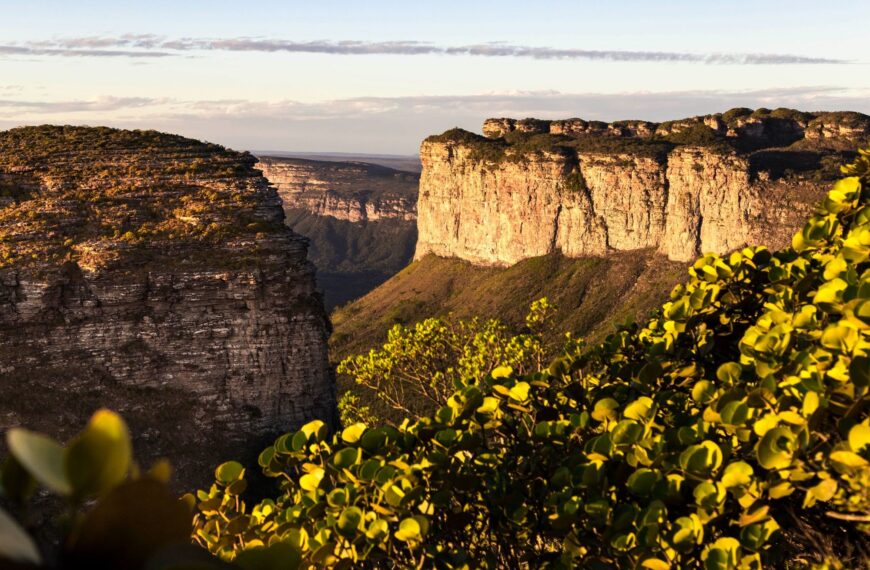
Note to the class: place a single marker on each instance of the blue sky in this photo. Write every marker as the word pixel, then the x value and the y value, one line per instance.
pixel 378 76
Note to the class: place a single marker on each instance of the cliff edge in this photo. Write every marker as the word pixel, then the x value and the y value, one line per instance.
pixel 153 274
pixel 586 188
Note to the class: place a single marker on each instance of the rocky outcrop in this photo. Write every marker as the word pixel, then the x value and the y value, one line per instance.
pixel 585 188
pixel 360 218
pixel 154 275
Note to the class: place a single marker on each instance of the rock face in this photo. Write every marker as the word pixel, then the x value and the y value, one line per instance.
pixel 584 188
pixel 353 192
pixel 360 218
pixel 154 275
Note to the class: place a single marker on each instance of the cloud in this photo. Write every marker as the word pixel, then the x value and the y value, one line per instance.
pixel 35 50
pixel 397 124
pixel 151 45
pixel 100 105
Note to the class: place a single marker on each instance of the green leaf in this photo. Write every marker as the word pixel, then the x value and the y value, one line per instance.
pixel 722 554
pixel 346 457
pixel 315 430
pixel 378 530
pixel 859 437
pixel 701 459
pixel 703 392
pixel 845 461
pixel 605 409
pixel 502 372
pixel 412 530
pixel 642 409
pixel 755 536
pixel 353 433
pixel 687 533
pixel 729 372
pixel 520 392
pixel 642 481
pixel 824 491
pixel 311 481
pixel 100 456
pixel 373 440
pixel 738 474
pixel 350 521
pixel 776 448
pixel 15 544
pixel 626 432
pixel 42 457
pixel 229 472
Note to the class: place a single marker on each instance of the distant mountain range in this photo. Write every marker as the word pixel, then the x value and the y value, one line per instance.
pixel 407 163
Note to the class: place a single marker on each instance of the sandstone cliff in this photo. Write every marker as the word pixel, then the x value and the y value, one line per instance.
pixel 154 274
pixel 585 188
pixel 349 191
pixel 360 218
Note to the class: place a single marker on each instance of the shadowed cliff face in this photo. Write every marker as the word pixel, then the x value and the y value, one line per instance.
pixel 360 219
pixel 154 275
pixel 584 188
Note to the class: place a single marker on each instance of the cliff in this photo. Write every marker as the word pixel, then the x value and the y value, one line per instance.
pixel 154 275
pixel 585 188
pixel 349 191
pixel 360 219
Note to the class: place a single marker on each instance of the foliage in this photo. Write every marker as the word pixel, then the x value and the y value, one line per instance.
pixel 420 367
pixel 683 443
pixel 351 411
pixel 698 134
pixel 136 520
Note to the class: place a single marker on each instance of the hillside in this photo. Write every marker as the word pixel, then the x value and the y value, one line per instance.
pixel 360 219
pixel 153 274
pixel 592 294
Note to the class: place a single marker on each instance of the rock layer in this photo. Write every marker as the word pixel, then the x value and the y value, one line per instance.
pixel 353 192
pixel 705 184
pixel 154 275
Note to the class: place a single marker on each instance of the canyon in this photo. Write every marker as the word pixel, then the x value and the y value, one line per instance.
pixel 154 275
pixel 704 184
pixel 361 219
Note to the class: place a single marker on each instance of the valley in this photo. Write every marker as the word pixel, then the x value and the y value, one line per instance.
pixel 360 219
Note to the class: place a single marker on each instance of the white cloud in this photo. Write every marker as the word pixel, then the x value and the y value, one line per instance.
pixel 398 124
pixel 150 45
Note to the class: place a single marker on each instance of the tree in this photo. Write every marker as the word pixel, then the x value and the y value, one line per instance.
pixel 419 367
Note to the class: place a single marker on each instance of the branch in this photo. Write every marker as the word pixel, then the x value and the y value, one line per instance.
pixel 848 517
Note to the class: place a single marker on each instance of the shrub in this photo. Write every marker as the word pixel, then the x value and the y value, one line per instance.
pixel 683 443
pixel 419 367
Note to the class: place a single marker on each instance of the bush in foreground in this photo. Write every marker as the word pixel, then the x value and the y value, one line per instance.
pixel 689 442
pixel 115 516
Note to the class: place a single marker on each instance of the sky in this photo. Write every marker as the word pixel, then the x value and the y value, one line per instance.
pixel 378 76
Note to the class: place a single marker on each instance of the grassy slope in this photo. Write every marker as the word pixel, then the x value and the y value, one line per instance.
pixel 591 293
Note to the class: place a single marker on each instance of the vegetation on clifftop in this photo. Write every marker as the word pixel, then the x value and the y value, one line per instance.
pixel 793 134
pixel 99 196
